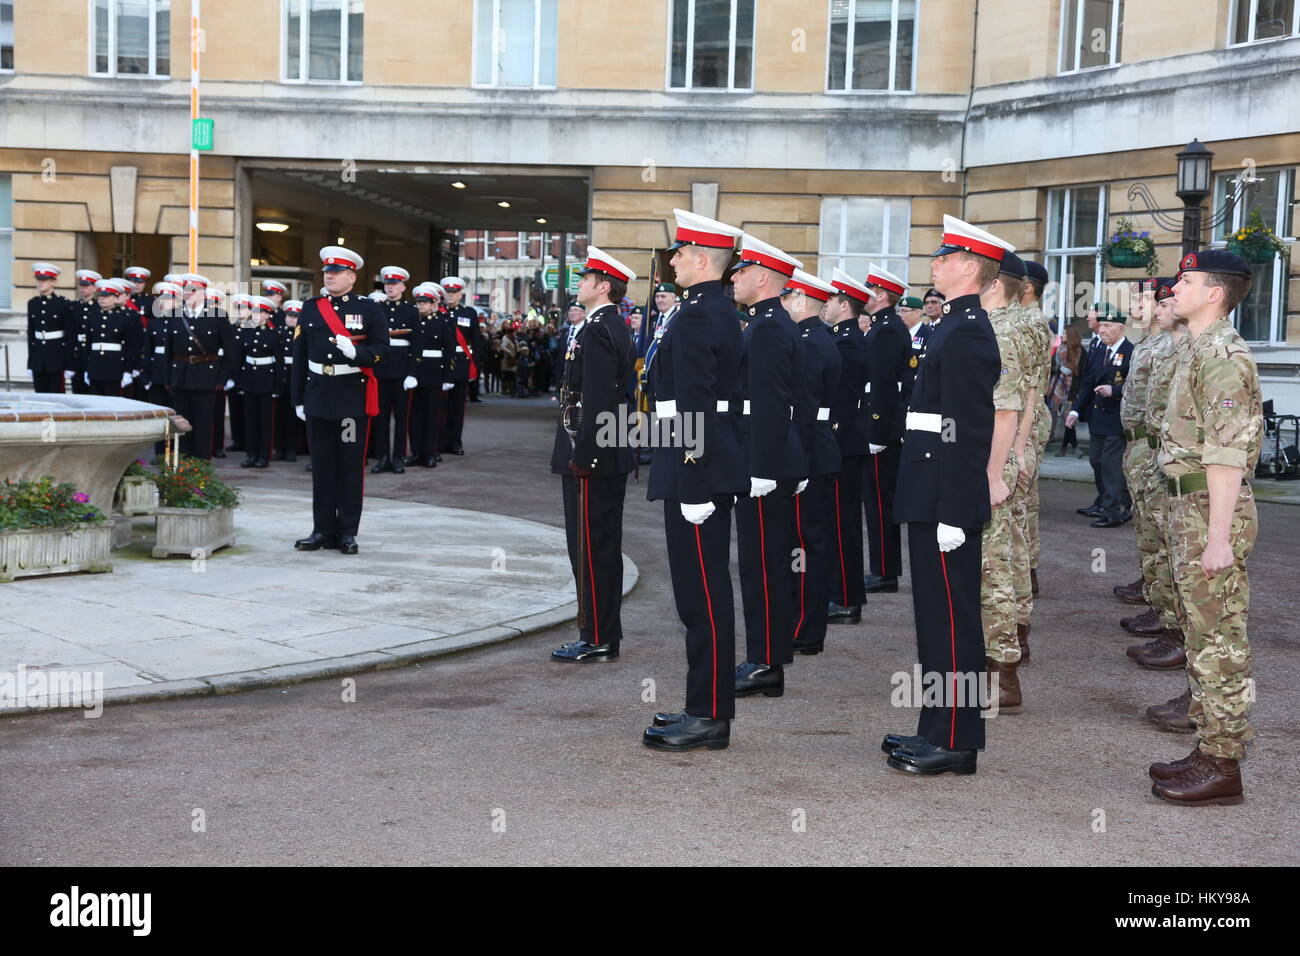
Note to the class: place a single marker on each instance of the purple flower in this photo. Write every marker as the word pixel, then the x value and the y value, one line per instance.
pixel 81 496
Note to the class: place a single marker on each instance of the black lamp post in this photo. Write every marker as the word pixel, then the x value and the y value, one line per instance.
pixel 1193 186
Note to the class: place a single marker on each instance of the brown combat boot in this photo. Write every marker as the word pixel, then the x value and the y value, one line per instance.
pixel 1210 780
pixel 1147 617
pixel 1130 593
pixel 1009 699
pixel 1172 714
pixel 1166 652
pixel 1167 771
pixel 1033 581
pixel 1151 628
pixel 1022 635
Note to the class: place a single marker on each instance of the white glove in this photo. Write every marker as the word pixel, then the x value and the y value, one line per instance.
pixel 696 514
pixel 758 487
pixel 448 386
pixel 801 486
pixel 875 449
pixel 300 412
pixel 126 379
pixel 85 377
pixel 409 382
pixel 950 537
pixel 135 374
pixel 344 345
pixel 230 383
pixel 67 376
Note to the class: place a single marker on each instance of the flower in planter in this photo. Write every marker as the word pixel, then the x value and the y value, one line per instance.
pixel 1129 249
pixel 42 503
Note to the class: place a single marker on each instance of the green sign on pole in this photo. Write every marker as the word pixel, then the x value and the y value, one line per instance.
pixel 201 134
pixel 551 277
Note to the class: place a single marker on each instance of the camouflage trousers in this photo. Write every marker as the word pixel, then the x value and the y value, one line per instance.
pixel 1042 432
pixel 1156 553
pixel 1021 545
pixel 1150 538
pixel 997 583
pixel 1213 614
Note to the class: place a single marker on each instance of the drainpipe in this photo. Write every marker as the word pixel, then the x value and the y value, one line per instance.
pixel 970 97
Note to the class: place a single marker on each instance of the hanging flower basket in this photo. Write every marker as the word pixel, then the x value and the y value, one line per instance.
pixel 1127 258
pixel 1127 249
pixel 1256 242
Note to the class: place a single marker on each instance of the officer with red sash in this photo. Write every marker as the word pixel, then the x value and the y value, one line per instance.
pixel 461 369
pixel 340 338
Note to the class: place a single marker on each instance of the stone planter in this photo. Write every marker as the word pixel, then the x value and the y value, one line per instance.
pixel 137 495
pixel 121 532
pixel 193 532
pixel 32 551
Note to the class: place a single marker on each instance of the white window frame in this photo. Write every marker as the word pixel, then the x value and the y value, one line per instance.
pixel 496 63
pixel 1235 7
pixel 690 55
pixel 523 245
pixel 91 35
pixel 826 260
pixel 14 43
pixel 1055 258
pixel 1112 52
pixel 304 35
pixel 1285 197
pixel 7 267
pixel 893 52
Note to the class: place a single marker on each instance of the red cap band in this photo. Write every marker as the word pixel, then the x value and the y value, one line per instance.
pixel 821 295
pixel 600 265
pixel 974 245
pixel 711 239
pixel 885 284
pixel 770 262
pixel 852 291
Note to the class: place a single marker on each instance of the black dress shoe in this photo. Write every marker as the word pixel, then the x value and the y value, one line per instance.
pixel 430 462
pixel 808 647
pixel 412 460
pixel 663 720
pixel 875 584
pixel 398 468
pixel 839 614
pixel 585 652
pixel 439 457
pixel 927 759
pixel 458 451
pixel 218 453
pixel 384 464
pixel 290 456
pixel 315 541
pixel 755 678
pixel 347 544
pixel 893 741
pixel 248 463
pixel 1089 512
pixel 1104 522
pixel 261 463
pixel 689 733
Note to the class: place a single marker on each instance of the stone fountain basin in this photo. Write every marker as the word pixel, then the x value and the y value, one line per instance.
pixel 87 440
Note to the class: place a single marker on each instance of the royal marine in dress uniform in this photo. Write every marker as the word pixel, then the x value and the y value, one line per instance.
pixel 592 455
pixel 943 498
pixel 51 331
pixel 84 308
pixel 771 388
pixel 432 342
pixel 339 340
pixel 461 369
pixel 257 380
pixel 804 298
pixel 156 357
pixel 289 435
pixel 113 337
pixel 1209 444
pixel 849 415
pixel 204 351
pixel 889 353
pixel 388 441
pixel 698 470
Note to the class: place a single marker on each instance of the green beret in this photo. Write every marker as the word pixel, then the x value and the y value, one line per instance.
pixel 1108 313
pixel 911 302
pixel 666 287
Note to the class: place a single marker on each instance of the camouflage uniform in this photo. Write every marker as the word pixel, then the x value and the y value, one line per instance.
pixel 1042 426
pixel 1137 454
pixel 1215 417
pixel 1033 358
pixel 1168 351
pixel 997 588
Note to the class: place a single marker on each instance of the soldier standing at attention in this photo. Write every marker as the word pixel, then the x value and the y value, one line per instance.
pixel 275 290
pixel 51 331
pixel 596 379
pixel 804 297
pixel 1209 442
pixel 257 380
pixel 692 379
pixel 339 340
pixel 1031 297
pixel 944 495
pixel 431 342
pixel 203 351
pixel 463 369
pixel 889 351
pixel 394 374
pixel 287 429
pixel 84 307
pixel 843 312
pixel 156 355
pixel 112 340
pixel 771 386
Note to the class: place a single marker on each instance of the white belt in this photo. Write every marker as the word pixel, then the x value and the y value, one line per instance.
pixel 745 410
pixel 160 350
pixel 924 422
pixel 106 346
pixel 432 353
pixel 332 369
pixel 45 336
pixel 666 409
pixel 402 342
pixel 723 405
pixel 259 359
pixel 288 360
pixel 823 414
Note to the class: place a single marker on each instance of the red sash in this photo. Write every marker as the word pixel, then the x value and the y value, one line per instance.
pixel 135 307
pixel 336 326
pixel 464 347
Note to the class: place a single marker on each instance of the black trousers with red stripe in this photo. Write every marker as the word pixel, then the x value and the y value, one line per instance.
pixel 765 556
pixel 949 633
pixel 846 580
pixel 338 473
pixel 884 538
pixel 602 591
pixel 699 563
pixel 388 435
pixel 814 527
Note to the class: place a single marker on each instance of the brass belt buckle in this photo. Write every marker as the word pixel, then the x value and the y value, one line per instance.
pixel 327 369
